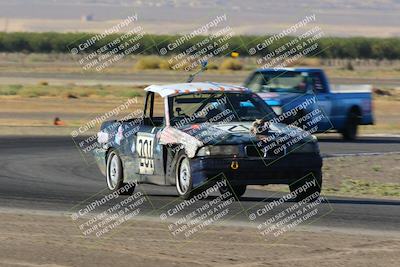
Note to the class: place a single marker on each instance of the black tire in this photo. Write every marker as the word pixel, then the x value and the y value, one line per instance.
pixel 310 191
pixel 115 175
pixel 183 176
pixel 351 126
pixel 236 190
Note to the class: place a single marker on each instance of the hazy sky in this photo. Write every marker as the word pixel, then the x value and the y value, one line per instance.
pixel 356 17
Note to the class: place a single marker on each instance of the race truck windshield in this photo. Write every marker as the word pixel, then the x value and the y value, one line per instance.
pixel 217 108
pixel 278 81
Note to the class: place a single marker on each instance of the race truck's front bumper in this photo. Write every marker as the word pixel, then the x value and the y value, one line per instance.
pixel 255 171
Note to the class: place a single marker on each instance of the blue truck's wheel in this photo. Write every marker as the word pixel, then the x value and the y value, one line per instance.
pixel 115 174
pixel 183 176
pixel 350 130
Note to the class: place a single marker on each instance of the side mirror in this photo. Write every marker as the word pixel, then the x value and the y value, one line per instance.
pixel 203 68
pixel 204 64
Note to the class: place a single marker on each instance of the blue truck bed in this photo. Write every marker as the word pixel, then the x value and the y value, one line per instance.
pixel 343 107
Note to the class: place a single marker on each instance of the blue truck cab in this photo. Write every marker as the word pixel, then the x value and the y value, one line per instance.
pixel 344 106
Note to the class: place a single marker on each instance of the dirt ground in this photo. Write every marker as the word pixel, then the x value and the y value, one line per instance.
pixel 53 240
pixel 40 112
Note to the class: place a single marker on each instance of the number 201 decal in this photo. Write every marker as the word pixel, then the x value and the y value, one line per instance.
pixel 144 148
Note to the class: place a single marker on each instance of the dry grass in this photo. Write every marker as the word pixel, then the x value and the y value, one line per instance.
pixel 65 63
pixel 20 116
pixel 70 90
pixel 362 176
pixel 386 112
pixel 371 176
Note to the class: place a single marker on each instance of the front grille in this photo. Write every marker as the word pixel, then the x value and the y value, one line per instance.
pixel 256 151
pixel 253 151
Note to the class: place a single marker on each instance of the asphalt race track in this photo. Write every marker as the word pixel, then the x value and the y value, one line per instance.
pixel 48 173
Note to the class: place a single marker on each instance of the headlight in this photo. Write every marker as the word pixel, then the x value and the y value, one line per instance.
pixel 102 137
pixel 277 110
pixel 219 150
pixel 310 147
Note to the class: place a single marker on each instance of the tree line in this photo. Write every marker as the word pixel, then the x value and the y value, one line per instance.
pixel 328 47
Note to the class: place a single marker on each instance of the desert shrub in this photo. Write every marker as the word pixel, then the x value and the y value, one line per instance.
pixel 43 83
pixel 349 66
pixel 148 63
pixel 69 94
pixel 164 65
pixel 231 64
pixel 34 92
pixel 12 89
pixel 212 66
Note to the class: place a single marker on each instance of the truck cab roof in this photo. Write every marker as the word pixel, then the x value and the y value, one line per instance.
pixel 300 69
pixel 187 88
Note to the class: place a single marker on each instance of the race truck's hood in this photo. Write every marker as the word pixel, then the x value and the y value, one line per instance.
pixel 235 132
pixel 194 136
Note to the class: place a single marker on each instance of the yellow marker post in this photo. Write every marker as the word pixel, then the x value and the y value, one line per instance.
pixel 234 54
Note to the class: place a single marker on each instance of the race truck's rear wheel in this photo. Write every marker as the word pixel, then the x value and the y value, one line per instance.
pixel 183 176
pixel 313 185
pixel 115 175
pixel 236 190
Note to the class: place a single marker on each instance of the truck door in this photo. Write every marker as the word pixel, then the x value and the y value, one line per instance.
pixel 319 87
pixel 145 144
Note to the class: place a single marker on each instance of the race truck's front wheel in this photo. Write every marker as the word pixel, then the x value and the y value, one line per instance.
pixel 308 187
pixel 183 177
pixel 115 175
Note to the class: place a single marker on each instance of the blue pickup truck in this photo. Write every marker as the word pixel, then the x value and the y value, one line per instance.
pixel 285 88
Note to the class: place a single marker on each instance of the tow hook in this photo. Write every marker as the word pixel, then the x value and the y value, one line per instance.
pixel 234 164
